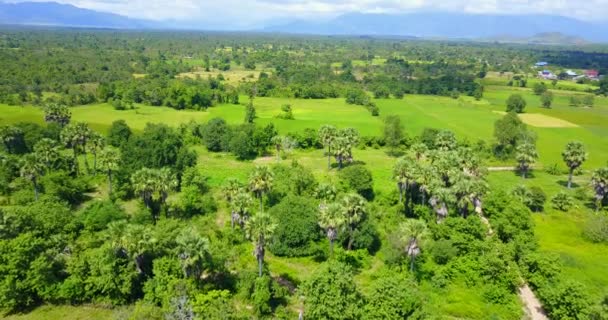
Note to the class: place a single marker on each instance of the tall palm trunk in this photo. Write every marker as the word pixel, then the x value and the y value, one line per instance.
pixel 570 178
pixel 95 162
pixel 328 158
pixel 109 182
pixel 350 238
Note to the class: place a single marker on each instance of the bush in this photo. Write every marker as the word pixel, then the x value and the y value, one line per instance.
pixel 359 179
pixel 562 201
pixel 99 214
pixel 566 300
pixel 516 103
pixel 596 229
pixel 297 227
pixel 443 251
pixel 534 198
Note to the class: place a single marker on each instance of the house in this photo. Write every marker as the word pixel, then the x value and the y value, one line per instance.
pixel 592 74
pixel 547 75
pixel 541 64
pixel 571 74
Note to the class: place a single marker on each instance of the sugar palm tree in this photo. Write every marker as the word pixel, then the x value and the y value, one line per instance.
pixel 31 170
pixel 425 177
pixel 96 143
pixel 109 160
pixel 165 183
pixel 132 241
pixel 240 205
pixel 341 150
pixel 574 155
pixel 326 192
pixel 403 173
pixel 354 208
pixel 441 197
pixel 526 155
pixel 327 136
pixel 193 252
pixel 47 151
pixel 259 230
pixel 57 113
pixel 231 188
pixel 260 182
pixel 331 219
pixel 413 233
pixel 9 136
pixel 82 134
pixel 599 181
pixel 144 183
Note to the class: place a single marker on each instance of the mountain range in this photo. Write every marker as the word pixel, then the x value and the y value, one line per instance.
pixel 438 25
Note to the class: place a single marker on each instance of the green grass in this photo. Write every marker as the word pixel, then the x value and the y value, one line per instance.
pixel 561 233
pixel 67 312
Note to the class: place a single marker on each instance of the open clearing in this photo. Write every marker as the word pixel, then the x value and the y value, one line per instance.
pixel 542 121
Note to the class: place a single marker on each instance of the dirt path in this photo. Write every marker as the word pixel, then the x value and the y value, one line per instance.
pixel 501 168
pixel 533 308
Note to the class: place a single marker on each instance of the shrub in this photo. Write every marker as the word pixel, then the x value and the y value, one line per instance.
pixel 596 229
pixel 516 103
pixel 562 201
pixel 443 251
pixel 566 300
pixel 359 179
pixel 297 227
pixel 534 198
pixel 553 170
pixel 99 214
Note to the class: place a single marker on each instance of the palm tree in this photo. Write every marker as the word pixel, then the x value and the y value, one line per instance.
pixel 75 136
pixel 260 182
pixel 231 188
pixel 599 181
pixel 326 192
pixel 56 113
pixel 240 205
pixel 331 219
pixel 327 137
pixel 82 134
pixel 574 155
pixel 419 150
pixel 109 160
pixel 341 150
pixel 193 252
pixel 403 173
pixel 425 177
pixel 131 240
pixel 259 230
pixel 30 170
pixel 96 142
pixel 413 233
pixel 277 141
pixel 47 151
pixel 526 155
pixel 10 137
pixel 144 183
pixel 354 208
pixel 440 198
pixel 165 182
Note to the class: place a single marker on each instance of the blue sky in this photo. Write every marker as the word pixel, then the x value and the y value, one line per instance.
pixel 244 13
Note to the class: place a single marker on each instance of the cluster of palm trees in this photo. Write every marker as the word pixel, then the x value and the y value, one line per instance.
pixel 258 227
pixel 283 145
pixel 342 215
pixel 339 143
pixel 153 186
pixel 447 176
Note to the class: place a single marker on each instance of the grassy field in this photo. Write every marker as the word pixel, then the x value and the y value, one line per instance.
pixel 67 312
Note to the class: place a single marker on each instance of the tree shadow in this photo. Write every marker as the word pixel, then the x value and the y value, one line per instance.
pixel 564 183
pixel 529 175
pixel 395 153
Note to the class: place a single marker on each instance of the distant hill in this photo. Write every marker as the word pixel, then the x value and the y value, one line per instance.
pixel 55 14
pixel 553 38
pixel 448 25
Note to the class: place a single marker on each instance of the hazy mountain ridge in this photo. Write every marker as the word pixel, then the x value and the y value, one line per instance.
pixel 446 25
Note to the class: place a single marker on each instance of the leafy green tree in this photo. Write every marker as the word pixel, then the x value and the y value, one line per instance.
pixel 250 113
pixel 327 136
pixel 393 131
pixel 599 182
pixel 392 296
pixel 526 155
pixel 13 139
pixel 546 99
pixel 132 240
pixel 331 219
pixel 516 103
pixel 539 88
pixel 574 155
pixel 260 183
pixel 354 209
pixel 331 293
pixel 359 179
pixel 297 229
pixel 119 133
pixel 213 134
pixel 57 113
pixel 413 234
pixel 509 131
pixel 259 230
pixel 31 170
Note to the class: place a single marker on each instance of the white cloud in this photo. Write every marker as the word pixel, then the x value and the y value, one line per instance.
pixel 242 13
